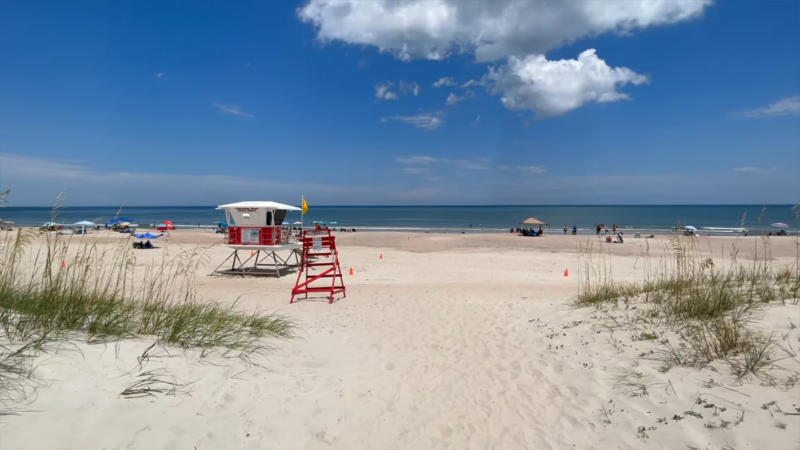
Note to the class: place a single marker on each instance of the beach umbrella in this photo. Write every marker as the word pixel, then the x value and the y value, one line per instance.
pixel 780 225
pixel 124 224
pixel 48 224
pixel 223 224
pixel 298 223
pixel 689 227
pixel 83 224
pixel 532 221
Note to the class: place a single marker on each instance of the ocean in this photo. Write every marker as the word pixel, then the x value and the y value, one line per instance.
pixel 647 219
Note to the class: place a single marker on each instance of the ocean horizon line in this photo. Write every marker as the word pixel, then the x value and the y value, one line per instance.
pixel 427 206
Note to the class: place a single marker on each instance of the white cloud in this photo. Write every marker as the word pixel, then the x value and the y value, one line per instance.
pixel 554 88
pixel 452 99
pixel 413 170
pixel 789 106
pixel 382 91
pixel 491 29
pixel 159 74
pixel 467 164
pixel 534 169
pixel 754 169
pixel 37 181
pixel 444 81
pixel 430 121
pixel 235 110
pixel 469 83
pixel 477 120
pixel 418 159
pixel 409 87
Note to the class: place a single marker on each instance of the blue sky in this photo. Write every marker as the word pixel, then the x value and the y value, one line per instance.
pixel 198 103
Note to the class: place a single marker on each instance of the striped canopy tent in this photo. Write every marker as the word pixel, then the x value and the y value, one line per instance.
pixel 532 221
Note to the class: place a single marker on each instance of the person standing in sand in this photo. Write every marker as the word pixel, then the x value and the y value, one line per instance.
pixel 574 230
pixel 565 229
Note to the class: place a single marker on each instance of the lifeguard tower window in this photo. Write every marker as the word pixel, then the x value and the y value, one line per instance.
pixel 280 215
pixel 269 218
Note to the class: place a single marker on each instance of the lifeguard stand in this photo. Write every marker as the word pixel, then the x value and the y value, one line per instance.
pixel 319 250
pixel 255 227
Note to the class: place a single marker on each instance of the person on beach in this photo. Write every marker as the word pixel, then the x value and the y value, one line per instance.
pixel 615 228
pixel 598 230
pixel 574 230
pixel 565 229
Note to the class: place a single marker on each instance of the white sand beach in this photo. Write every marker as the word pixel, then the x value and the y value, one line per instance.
pixel 449 341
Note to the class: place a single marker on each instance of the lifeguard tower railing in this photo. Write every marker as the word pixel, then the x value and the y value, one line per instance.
pixel 271 235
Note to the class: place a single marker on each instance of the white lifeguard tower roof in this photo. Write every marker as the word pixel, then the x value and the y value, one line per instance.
pixel 267 205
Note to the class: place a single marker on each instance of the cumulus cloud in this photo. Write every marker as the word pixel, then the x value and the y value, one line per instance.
pixel 491 29
pixel 430 121
pixel 553 88
pixel 383 91
pixel 789 106
pixel 444 81
pixel 234 110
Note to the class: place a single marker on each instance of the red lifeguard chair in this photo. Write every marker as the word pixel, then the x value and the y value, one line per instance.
pixel 319 250
pixel 256 227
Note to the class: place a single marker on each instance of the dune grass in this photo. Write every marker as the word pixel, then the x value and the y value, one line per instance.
pixel 709 305
pixel 64 290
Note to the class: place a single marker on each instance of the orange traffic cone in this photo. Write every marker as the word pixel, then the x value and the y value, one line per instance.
pixel 252 253
pixel 63 264
pixel 381 257
pixel 566 272
pixel 351 271
pixel 408 238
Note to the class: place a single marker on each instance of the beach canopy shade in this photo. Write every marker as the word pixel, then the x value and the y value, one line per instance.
pixel 223 224
pixel 689 227
pixel 298 223
pixel 118 220
pixel 83 223
pixel 780 225
pixel 49 224
pixel 532 221
pixel 148 235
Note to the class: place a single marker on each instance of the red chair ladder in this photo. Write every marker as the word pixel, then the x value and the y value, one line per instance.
pixel 321 247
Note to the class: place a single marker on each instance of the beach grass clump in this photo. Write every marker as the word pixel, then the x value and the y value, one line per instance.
pixel 102 294
pixel 709 305
pixel 110 301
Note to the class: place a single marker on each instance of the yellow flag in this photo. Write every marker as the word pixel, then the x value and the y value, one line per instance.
pixel 305 206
